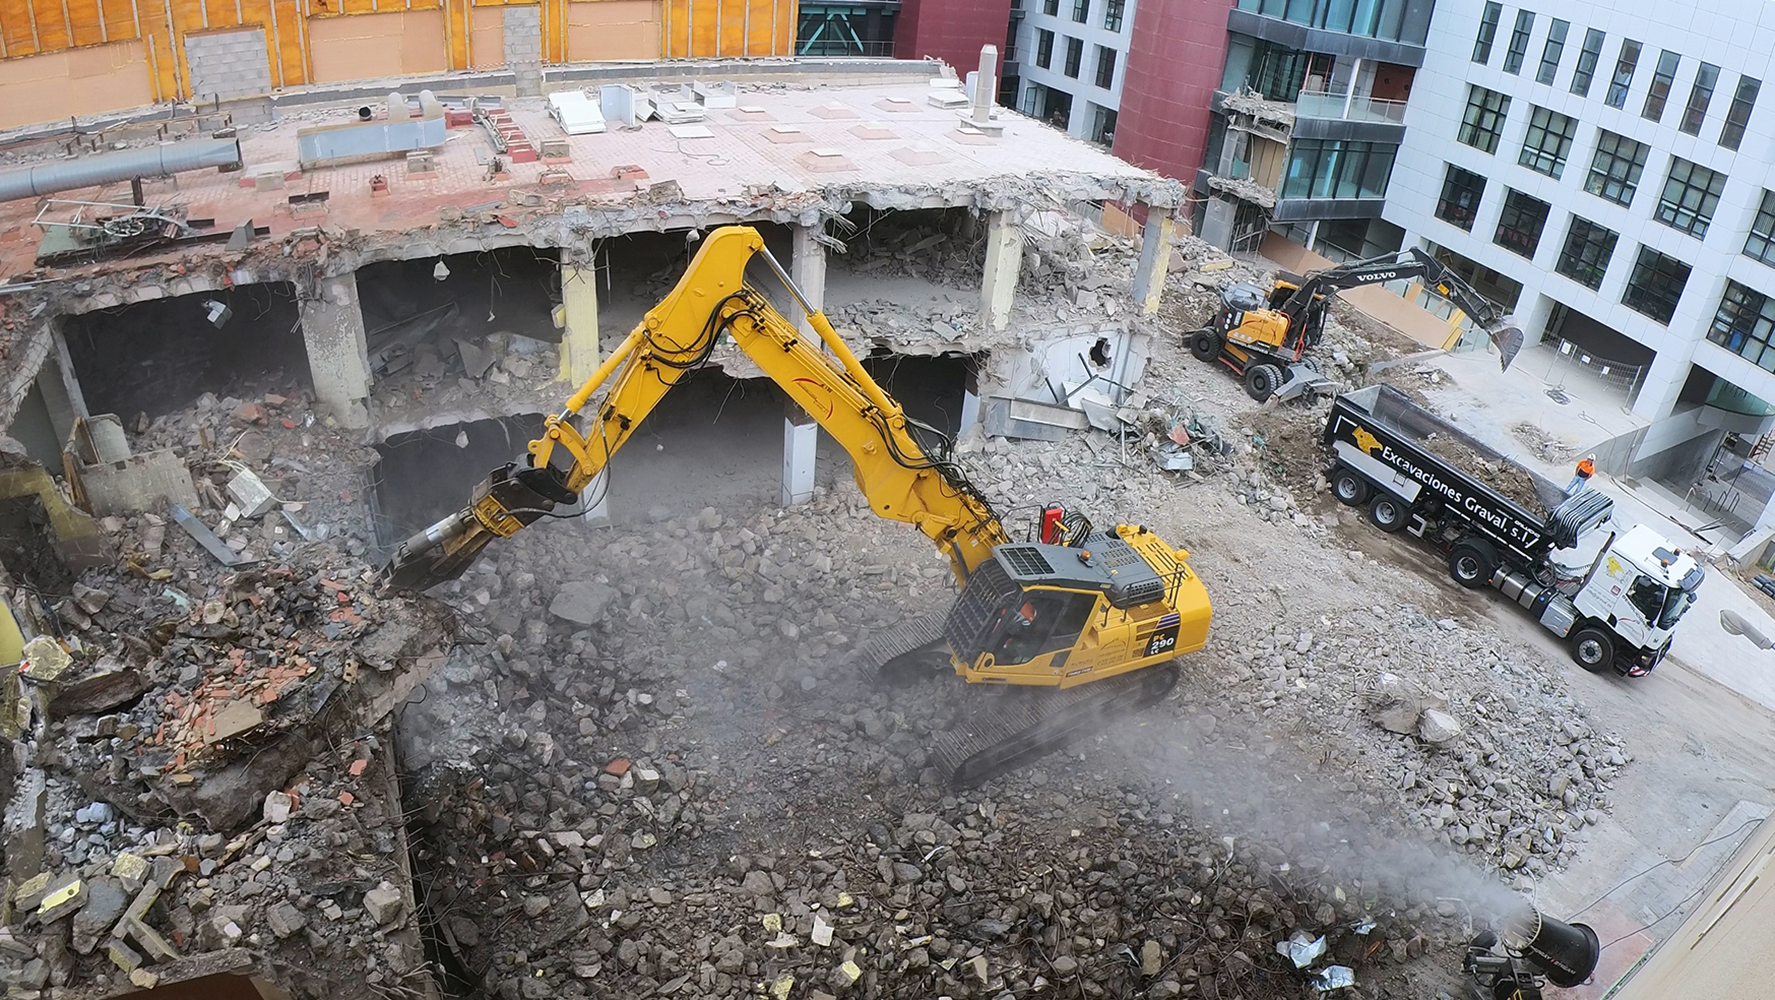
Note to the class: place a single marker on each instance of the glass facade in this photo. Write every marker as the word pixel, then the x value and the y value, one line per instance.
pixel 1392 20
pixel 1462 191
pixel 1585 256
pixel 1656 285
pixel 1338 168
pixel 1745 324
pixel 1584 73
pixel 1552 51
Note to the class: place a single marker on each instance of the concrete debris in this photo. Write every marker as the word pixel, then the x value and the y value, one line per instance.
pixel 1437 727
pixel 1245 189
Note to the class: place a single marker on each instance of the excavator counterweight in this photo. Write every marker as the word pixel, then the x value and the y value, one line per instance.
pixel 1086 624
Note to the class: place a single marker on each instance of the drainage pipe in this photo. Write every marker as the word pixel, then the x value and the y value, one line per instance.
pixel 157 161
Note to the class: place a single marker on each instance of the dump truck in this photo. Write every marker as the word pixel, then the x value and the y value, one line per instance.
pixel 1617 608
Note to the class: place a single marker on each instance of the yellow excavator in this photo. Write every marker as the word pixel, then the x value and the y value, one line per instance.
pixel 1264 336
pixel 1078 627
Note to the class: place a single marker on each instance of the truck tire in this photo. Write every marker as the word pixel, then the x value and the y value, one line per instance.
pixel 1350 489
pixel 1593 649
pixel 1205 345
pixel 1262 381
pixel 1471 563
pixel 1387 513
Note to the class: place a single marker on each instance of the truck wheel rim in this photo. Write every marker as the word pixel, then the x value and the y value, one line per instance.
pixel 1386 512
pixel 1467 568
pixel 1590 651
pixel 1346 488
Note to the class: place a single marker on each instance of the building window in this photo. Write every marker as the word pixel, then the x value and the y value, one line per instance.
pixel 1615 169
pixel 1585 71
pixel 1106 67
pixel 1338 168
pixel 1520 224
pixel 1658 94
pixel 1655 285
pixel 1075 54
pixel 1691 193
pixel 1553 51
pixel 1525 23
pixel 1745 325
pixel 1738 115
pixel 1700 96
pixel 1462 191
pixel 1051 7
pixel 1081 9
pixel 1484 122
pixel 1760 244
pixel 1488 32
pixel 1112 14
pixel 1585 256
pixel 1549 142
pixel 1392 20
pixel 1103 125
pixel 1044 47
pixel 1622 81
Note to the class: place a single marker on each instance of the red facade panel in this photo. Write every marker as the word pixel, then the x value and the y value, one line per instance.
pixel 1175 61
pixel 954 30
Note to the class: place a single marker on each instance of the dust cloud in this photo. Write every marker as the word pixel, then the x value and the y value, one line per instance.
pixel 1260 791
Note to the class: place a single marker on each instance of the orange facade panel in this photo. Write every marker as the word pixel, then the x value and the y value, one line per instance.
pixel 376 45
pixel 613 29
pixel 729 27
pixel 80 81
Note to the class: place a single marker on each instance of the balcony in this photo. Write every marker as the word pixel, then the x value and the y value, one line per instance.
pixel 1343 107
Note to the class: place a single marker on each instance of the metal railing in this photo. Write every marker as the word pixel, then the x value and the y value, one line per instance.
pixel 1323 104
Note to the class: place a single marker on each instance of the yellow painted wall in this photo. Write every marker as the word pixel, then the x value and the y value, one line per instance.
pixel 729 27
pixel 614 29
pixel 354 48
pixel 74 82
pixel 48 45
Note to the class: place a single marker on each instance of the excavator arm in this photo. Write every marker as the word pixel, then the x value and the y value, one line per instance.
pixel 901 479
pixel 1410 264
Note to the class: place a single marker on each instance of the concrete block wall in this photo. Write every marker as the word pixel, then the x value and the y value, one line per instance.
pixel 523 48
pixel 228 64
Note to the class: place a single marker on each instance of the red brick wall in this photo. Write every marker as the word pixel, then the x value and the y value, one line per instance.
pixel 1174 65
pixel 954 31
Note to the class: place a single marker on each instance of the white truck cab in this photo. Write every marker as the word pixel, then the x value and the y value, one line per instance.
pixel 1627 606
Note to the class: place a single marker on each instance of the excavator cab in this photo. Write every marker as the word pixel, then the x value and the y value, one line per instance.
pixel 1256 339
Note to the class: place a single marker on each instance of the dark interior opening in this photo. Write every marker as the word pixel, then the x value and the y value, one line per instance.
pixel 28 548
pixel 928 388
pixel 425 476
pixel 160 356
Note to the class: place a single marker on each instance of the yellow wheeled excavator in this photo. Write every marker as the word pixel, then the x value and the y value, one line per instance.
pixel 1081 625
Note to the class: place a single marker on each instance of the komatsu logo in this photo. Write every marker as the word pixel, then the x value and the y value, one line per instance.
pixel 1164 637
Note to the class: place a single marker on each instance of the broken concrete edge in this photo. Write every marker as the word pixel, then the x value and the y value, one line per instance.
pixel 410 937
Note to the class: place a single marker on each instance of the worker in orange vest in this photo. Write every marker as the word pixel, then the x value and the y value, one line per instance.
pixel 1581 476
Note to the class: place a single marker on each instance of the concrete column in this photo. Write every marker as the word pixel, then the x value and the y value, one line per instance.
pixel 801 438
pixel 1155 260
pixel 808 268
pixel 1532 316
pixel 1217 222
pixel 970 400
pixel 579 333
pixel 1663 382
pixel 1004 261
pixel 333 332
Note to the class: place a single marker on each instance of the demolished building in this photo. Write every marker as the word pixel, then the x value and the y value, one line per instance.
pixel 242 360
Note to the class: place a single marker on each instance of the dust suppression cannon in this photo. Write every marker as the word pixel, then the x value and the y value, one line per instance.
pixel 1535 950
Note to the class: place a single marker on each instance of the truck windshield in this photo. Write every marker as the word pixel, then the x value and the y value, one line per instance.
pixel 1678 599
pixel 1662 606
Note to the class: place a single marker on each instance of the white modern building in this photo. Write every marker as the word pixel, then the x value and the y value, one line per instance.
pixel 1607 167
pixel 1071 57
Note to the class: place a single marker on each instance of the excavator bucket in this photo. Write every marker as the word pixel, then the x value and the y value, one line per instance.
pixel 1508 338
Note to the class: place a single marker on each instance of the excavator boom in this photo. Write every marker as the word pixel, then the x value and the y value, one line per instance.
pixel 902 480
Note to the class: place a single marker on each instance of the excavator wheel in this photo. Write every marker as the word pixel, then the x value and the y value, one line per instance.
pixel 1205 345
pixel 1262 381
pixel 1350 489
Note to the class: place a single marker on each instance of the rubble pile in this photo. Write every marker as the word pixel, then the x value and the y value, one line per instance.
pixel 202 788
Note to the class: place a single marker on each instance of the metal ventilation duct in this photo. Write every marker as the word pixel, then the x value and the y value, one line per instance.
pixel 158 161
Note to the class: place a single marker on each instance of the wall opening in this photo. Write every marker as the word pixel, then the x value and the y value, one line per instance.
pixel 635 271
pixel 424 476
pixel 930 389
pixel 415 311
pixel 28 547
pixel 160 356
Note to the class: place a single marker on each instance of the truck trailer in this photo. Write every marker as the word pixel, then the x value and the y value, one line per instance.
pixel 1619 611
